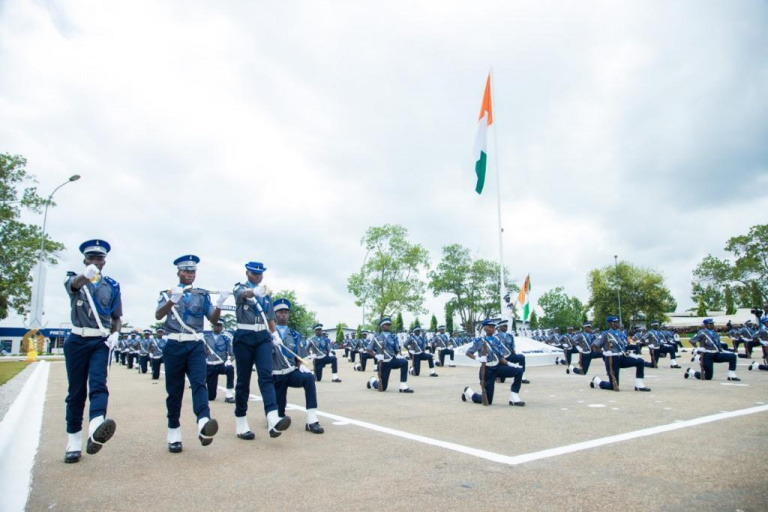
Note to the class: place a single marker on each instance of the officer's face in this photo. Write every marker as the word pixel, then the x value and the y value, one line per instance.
pixel 253 277
pixel 217 329
pixel 282 316
pixel 386 327
pixel 588 329
pixel 489 330
pixel 95 259
pixel 187 277
pixel 503 328
pixel 159 334
pixel 614 324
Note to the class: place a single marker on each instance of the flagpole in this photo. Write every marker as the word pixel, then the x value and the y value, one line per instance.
pixel 498 202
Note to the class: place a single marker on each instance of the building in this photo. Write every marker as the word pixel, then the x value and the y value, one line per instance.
pixel 10 340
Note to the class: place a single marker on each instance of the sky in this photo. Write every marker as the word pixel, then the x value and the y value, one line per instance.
pixel 280 131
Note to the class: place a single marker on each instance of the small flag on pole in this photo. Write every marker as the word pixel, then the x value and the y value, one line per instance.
pixel 523 298
pixel 481 139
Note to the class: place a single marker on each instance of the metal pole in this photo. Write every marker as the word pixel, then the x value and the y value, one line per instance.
pixel 38 297
pixel 502 288
pixel 618 285
pixel 362 272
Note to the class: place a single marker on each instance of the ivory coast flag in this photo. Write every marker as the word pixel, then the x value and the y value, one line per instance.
pixel 481 139
pixel 523 298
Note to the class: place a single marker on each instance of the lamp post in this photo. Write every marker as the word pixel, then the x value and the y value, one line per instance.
pixel 38 296
pixel 618 285
pixel 362 272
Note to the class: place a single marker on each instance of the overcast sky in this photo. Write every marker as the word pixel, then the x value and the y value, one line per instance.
pixel 280 131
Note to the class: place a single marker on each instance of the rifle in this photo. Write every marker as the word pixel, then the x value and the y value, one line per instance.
pixel 298 358
pixel 380 365
pixel 611 373
pixel 482 374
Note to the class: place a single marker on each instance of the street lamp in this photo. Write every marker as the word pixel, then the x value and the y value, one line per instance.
pixel 362 274
pixel 618 285
pixel 37 300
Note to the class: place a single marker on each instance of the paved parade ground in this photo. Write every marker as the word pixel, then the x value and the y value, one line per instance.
pixel 687 445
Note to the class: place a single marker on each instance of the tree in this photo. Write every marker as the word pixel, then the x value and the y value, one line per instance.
pixel 730 308
pixel 416 323
pixel 158 325
pixel 399 323
pixel 228 321
pixel 747 274
pixel 643 293
pixel 301 318
pixel 701 309
pixel 448 318
pixel 560 310
pixel 390 278
pixel 19 242
pixel 713 297
pixel 340 333
pixel 433 324
pixel 473 284
pixel 359 334
pixel 533 321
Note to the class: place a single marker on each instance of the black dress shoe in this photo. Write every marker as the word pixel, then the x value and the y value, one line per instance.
pixel 406 390
pixel 526 381
pixel 734 379
pixel 71 457
pixel 103 433
pixel 519 404
pixel 464 394
pixel 229 400
pixel 281 425
pixel 209 430
pixel 642 389
pixel 174 447
pixel 247 436
pixel 433 375
pixel 315 428
pixel 336 380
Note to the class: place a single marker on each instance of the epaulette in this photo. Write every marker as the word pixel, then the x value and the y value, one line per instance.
pixel 111 282
pixel 71 274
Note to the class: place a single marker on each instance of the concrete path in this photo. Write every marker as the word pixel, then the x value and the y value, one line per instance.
pixel 429 450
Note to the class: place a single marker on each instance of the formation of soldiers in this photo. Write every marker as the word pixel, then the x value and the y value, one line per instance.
pixel 282 358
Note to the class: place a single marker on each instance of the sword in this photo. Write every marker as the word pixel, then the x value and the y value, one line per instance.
pixel 95 313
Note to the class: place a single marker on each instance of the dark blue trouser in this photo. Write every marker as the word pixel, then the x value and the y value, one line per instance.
pixel 387 367
pixel 663 349
pixel 143 360
pixel 445 352
pixel 156 362
pixel 180 358
pixel 86 362
pixel 253 347
pixel 619 362
pixel 568 355
pixel 364 360
pixel 352 354
pixel 517 359
pixel 212 378
pixel 131 357
pixel 720 357
pixel 123 355
pixel 117 356
pixel 322 363
pixel 501 371
pixel 418 358
pixel 585 360
pixel 295 379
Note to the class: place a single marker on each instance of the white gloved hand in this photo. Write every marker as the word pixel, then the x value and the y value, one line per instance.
pixel 276 339
pixel 176 294
pixel 112 340
pixel 304 369
pixel 222 299
pixel 379 357
pixel 90 271
pixel 481 359
pixel 400 356
pixel 260 291
pixel 228 363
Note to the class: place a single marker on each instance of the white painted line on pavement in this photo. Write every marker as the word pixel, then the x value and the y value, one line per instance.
pixel 19 439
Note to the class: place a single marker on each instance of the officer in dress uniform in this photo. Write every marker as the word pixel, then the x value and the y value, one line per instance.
pixel 156 347
pixel 144 350
pixel 218 347
pixel 653 337
pixel 363 349
pixel 184 310
pixel 123 345
pixel 416 346
pixel 321 350
pixel 582 342
pixel 490 350
pixel 287 370
pixel 118 348
pixel 614 345
pixel 443 346
pixel 710 350
pixel 508 340
pixel 385 349
pixel 132 345
pixel 86 349
pixel 762 338
pixel 253 345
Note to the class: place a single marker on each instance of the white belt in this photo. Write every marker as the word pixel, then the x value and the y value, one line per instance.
pixel 213 363
pixel 252 327
pixel 176 336
pixel 283 372
pixel 88 332
pixel 612 354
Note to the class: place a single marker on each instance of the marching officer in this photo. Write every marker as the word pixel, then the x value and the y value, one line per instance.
pixel 416 345
pixel 287 370
pixel 321 350
pixel 252 344
pixel 144 350
pixel 219 360
pixel 488 349
pixel 710 350
pixel 133 350
pixel 385 349
pixel 184 310
pixel 156 352
pixel 614 346
pixel 96 307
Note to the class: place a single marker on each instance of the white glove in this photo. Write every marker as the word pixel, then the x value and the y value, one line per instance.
pixel 176 294
pixel 276 339
pixel 400 356
pixel 90 271
pixel 379 357
pixel 260 291
pixel 304 369
pixel 112 339
pixel 222 299
pixel 227 363
pixel 481 359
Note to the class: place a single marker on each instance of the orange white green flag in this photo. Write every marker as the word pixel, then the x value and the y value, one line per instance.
pixel 481 139
pixel 523 298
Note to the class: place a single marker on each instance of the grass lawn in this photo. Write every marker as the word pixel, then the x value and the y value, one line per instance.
pixel 10 369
